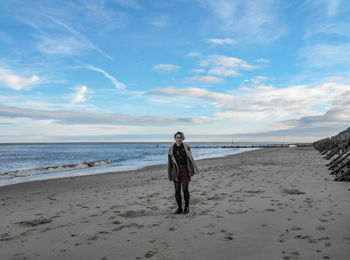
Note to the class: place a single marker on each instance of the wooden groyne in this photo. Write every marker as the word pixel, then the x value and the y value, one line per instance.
pixel 255 145
pixel 336 149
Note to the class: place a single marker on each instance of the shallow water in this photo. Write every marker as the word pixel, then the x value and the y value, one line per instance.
pixel 37 161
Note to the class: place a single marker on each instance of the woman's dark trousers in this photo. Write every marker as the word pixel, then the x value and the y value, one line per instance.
pixel 178 194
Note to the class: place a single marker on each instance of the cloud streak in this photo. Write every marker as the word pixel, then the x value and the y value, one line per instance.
pixel 219 41
pixel 166 67
pixel 95 118
pixel 203 80
pixel 83 40
pixel 129 4
pixel 115 82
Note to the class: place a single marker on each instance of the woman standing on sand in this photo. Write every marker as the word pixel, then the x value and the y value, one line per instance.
pixel 181 167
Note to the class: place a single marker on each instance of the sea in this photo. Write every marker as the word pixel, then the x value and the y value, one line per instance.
pixel 41 161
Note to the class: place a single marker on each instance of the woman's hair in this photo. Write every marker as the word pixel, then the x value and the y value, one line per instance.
pixel 179 133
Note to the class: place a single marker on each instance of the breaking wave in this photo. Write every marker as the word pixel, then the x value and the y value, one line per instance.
pixel 21 173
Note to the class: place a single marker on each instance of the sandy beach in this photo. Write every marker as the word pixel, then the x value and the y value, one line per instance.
pixel 275 203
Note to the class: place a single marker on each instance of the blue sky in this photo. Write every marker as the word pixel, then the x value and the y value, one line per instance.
pixel 132 70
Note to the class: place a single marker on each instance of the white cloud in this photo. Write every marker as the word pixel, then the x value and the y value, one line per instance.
pixel 191 92
pixel 268 102
pixel 224 61
pixel 115 82
pixel 80 95
pixel 224 65
pixel 166 67
pixel 259 80
pixel 203 79
pixel 17 82
pixel 224 71
pixel 220 41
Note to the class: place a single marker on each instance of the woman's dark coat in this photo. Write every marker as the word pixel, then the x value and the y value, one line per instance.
pixel 173 169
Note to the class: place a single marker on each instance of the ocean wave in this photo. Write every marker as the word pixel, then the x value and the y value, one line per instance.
pixel 21 173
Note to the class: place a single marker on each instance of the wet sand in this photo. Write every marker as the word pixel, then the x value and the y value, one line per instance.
pixel 275 203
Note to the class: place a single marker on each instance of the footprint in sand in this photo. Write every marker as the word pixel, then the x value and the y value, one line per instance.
pixel 296 228
pixel 292 255
pixel 19 256
pixel 35 222
pixel 151 253
pixel 328 244
pixel 320 228
pixel 138 226
pixel 6 237
pixel 323 220
pixel 228 237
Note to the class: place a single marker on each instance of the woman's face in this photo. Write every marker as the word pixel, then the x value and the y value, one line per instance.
pixel 179 138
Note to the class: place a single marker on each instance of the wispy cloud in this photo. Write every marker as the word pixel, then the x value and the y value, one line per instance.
pixel 5 37
pixel 219 41
pixel 115 82
pixel 81 37
pixel 158 20
pixel 166 67
pixel 129 4
pixel 17 82
pixel 198 71
pixel 262 60
pixel 193 54
pixel 58 46
pixel 326 55
pixel 82 117
pixel 57 37
pixel 203 80
pixel 250 21
pixel 329 7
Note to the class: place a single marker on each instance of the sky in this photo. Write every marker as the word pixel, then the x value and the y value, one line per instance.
pixel 132 70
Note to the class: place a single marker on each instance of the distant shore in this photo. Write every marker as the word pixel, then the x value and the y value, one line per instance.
pixel 275 203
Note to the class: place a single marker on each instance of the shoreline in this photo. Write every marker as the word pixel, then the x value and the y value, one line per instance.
pixel 80 173
pixel 275 203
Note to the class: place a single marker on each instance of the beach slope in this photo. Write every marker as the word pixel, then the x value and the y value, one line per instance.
pixel 275 203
